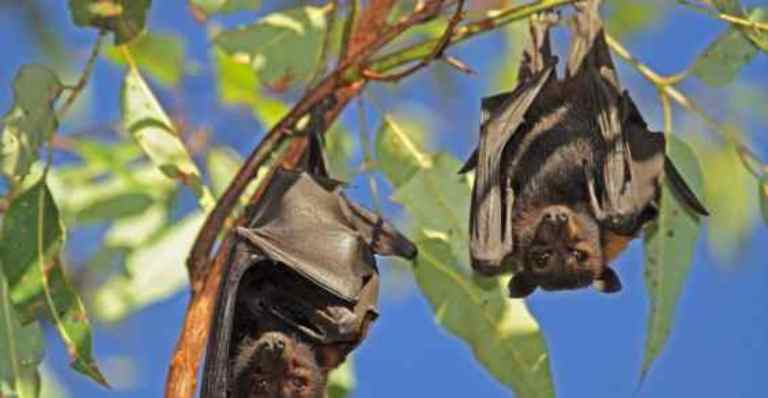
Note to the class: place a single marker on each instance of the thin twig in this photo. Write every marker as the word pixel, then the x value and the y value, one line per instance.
pixel 745 23
pixel 84 77
pixel 349 24
pixel 667 91
pixel 437 52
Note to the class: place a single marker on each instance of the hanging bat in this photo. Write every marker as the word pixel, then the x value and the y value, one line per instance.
pixel 567 172
pixel 301 290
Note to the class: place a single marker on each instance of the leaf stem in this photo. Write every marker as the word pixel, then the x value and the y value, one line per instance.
pixel 84 77
pixel 732 19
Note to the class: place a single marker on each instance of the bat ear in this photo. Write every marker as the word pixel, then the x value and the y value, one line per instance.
pixel 521 285
pixel 608 282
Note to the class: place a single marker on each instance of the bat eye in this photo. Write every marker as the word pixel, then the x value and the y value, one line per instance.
pixel 541 260
pixel 580 255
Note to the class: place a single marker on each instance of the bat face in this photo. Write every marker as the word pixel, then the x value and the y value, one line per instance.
pixel 277 365
pixel 565 250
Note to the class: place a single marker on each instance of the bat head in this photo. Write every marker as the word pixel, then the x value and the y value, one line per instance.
pixel 562 250
pixel 277 365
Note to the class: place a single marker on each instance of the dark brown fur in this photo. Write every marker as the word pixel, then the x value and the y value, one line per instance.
pixel 567 171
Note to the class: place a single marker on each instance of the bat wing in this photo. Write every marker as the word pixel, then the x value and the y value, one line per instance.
pixel 625 184
pixel 217 362
pixel 308 224
pixel 491 239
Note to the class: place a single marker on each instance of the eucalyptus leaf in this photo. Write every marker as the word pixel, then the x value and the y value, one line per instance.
pixel 341 381
pixel 211 7
pixel 21 349
pixel 502 334
pixel 162 56
pixel 397 149
pixel 31 120
pixel 162 260
pixel 32 240
pixel 722 60
pixel 271 45
pixel 733 211
pixel 145 120
pixel 124 18
pixel 669 247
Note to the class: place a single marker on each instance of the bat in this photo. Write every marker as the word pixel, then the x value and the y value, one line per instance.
pixel 567 172
pixel 301 290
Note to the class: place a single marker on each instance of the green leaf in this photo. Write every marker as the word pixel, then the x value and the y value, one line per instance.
pixel 339 147
pixel 270 46
pixel 503 335
pixel 437 200
pixel 160 55
pixel 501 332
pixel 223 163
pixel 32 239
pixel 210 7
pixel 733 212
pixel 124 18
pixel 146 121
pixel 626 17
pixel 669 246
pixel 723 59
pixel 238 84
pixel 397 150
pixel 21 349
pixel 154 272
pixel 31 120
pixel 342 380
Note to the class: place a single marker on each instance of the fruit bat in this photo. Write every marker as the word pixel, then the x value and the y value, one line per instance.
pixel 301 289
pixel 567 171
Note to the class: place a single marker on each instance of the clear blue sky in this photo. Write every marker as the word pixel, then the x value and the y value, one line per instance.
pixel 719 343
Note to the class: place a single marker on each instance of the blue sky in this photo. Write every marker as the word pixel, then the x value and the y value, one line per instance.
pixel 719 342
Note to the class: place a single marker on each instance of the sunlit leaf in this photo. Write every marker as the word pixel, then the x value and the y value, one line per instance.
pixel 21 349
pixel 270 45
pixel 339 147
pixel 32 239
pixel 733 211
pixel 161 260
pixel 238 84
pixel 503 335
pixel 397 149
pixel 124 18
pixel 669 246
pixel 625 17
pixel 342 380
pixel 723 59
pixel 145 120
pixel 206 8
pixel 223 164
pixel 160 55
pixel 31 120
